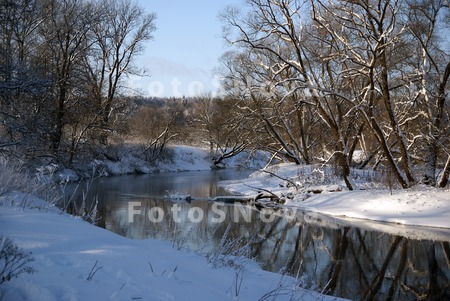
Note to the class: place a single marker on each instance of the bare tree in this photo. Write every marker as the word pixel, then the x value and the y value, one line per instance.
pixel 275 34
pixel 61 67
pixel 24 87
pixel 119 36
pixel 227 131
pixel 65 34
pixel 220 126
pixel 426 20
pixel 354 63
pixel 280 125
pixel 203 115
pixel 154 127
pixel 397 95
pixel 366 33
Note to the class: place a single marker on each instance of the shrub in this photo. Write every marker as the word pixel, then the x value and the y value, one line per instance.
pixel 13 261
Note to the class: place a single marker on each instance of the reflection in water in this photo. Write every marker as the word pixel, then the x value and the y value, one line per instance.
pixel 332 256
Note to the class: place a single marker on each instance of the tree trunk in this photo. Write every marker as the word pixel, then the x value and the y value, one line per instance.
pixel 405 162
pixel 355 143
pixel 435 133
pixel 59 118
pixel 443 180
pixel 387 152
pixel 429 177
pixel 379 135
pixel 343 161
pixel 301 124
pixel 271 129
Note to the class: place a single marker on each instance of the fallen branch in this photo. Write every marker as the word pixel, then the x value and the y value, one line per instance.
pixel 262 189
pixel 281 178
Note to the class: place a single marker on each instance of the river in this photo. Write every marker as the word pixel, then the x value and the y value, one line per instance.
pixel 353 259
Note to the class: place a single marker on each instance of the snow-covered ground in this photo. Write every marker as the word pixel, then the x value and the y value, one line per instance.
pixel 77 261
pixel 315 189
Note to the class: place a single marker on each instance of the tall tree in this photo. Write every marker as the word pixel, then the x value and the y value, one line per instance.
pixel 23 86
pixel 275 30
pixel 371 65
pixel 119 36
pixel 61 66
pixel 427 20
pixel 366 33
pixel 66 40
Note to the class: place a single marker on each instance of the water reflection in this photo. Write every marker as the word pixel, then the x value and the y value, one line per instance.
pixel 333 256
pixel 338 259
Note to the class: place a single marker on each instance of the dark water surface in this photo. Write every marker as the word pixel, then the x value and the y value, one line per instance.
pixel 347 258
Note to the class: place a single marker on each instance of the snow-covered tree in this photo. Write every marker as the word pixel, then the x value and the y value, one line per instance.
pixel 428 22
pixel 370 68
pixel 284 45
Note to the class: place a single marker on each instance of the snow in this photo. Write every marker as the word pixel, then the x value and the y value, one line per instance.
pixel 424 207
pixel 300 187
pixel 68 250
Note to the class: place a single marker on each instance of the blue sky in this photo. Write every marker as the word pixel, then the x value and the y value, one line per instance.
pixel 185 49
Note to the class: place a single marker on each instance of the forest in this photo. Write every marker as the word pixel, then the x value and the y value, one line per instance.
pixel 354 84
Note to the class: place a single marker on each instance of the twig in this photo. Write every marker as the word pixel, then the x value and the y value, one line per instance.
pixel 238 281
pixel 122 286
pixel 151 267
pixel 93 271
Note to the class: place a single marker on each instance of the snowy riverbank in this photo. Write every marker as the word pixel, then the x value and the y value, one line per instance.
pixel 129 160
pixel 317 191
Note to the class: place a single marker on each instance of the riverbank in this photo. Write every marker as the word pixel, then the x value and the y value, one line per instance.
pixel 315 189
pixel 129 160
pixel 77 261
